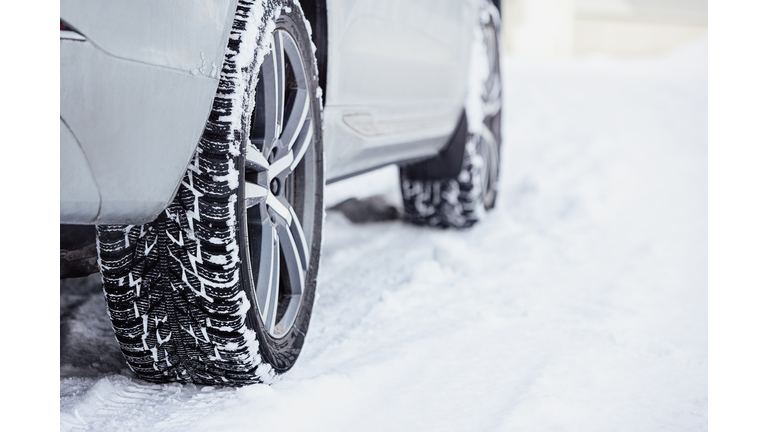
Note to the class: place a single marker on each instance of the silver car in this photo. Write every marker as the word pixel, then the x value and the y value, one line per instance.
pixel 197 137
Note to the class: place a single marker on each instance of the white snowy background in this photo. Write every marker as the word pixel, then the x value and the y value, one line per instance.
pixel 578 304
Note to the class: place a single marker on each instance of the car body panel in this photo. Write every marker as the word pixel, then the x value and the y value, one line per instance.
pixel 366 138
pixel 137 126
pixel 396 80
pixel 135 94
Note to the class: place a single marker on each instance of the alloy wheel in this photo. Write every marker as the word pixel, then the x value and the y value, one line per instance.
pixel 277 193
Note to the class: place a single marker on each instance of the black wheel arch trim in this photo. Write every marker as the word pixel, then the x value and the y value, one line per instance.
pixel 447 164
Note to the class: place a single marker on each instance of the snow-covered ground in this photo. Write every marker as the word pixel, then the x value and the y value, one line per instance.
pixel 579 303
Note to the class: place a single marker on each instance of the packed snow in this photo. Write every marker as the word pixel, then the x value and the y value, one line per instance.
pixel 579 303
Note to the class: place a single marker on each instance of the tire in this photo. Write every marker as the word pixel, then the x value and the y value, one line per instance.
pixel 219 289
pixel 455 188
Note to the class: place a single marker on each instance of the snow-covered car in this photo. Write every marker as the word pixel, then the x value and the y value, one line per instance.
pixel 197 136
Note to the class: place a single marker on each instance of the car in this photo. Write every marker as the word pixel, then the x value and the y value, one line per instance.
pixel 197 138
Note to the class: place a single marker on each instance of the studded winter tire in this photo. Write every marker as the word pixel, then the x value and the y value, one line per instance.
pixel 457 187
pixel 219 289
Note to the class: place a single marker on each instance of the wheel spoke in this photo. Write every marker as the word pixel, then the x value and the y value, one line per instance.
pixel 280 81
pixel 267 285
pixel 490 109
pixel 492 101
pixel 305 138
pixel 491 149
pixel 297 233
pixel 254 164
pixel 296 117
pixel 280 165
pixel 273 73
pixel 254 159
pixel 254 194
pixel 292 258
pixel 488 136
pixel 279 207
pixel 297 132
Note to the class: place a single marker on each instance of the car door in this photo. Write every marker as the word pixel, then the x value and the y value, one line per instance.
pixel 396 79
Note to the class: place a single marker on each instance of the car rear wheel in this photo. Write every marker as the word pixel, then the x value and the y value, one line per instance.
pixel 219 289
pixel 434 192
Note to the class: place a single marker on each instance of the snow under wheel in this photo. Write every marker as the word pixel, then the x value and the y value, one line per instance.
pixel 455 188
pixel 219 289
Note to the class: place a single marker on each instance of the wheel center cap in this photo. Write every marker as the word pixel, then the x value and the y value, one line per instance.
pixel 274 186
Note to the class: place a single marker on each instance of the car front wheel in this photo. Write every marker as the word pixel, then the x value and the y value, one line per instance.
pixel 219 289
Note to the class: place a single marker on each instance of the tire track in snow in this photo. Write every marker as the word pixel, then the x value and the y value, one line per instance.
pixel 123 404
